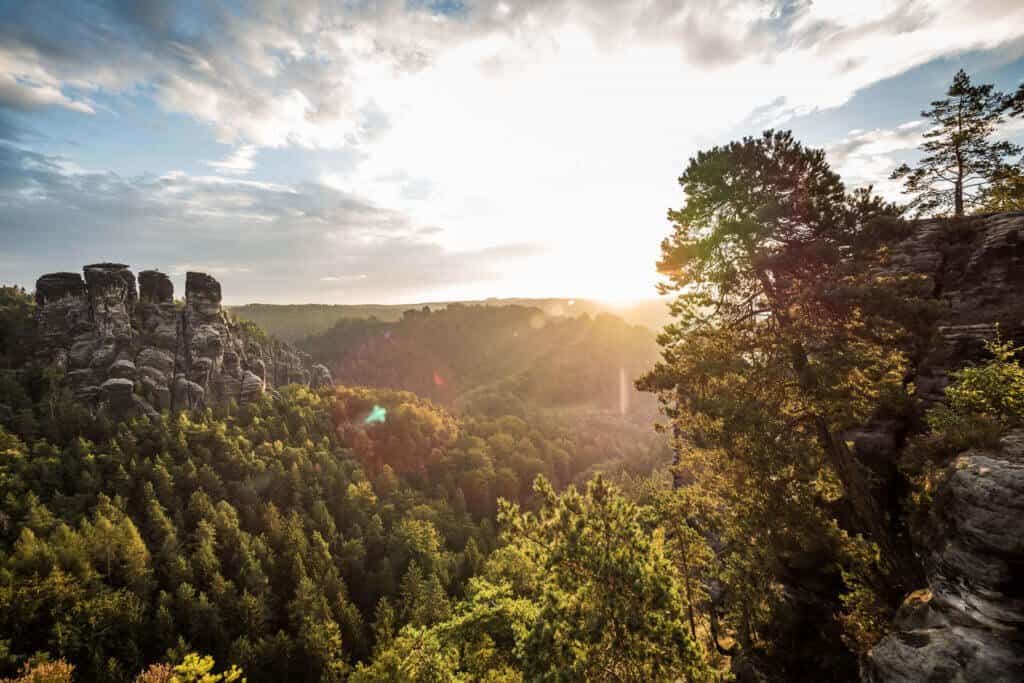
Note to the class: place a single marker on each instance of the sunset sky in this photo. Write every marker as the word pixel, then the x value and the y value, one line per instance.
pixel 357 152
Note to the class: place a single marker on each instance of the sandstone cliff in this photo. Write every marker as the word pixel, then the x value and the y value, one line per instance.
pixel 967 622
pixel 127 349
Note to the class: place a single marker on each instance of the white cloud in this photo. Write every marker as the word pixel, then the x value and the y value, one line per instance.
pixel 343 278
pixel 26 84
pixel 560 123
pixel 866 157
pixel 240 161
pixel 216 268
pixel 266 241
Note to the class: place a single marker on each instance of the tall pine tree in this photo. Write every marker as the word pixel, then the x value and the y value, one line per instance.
pixel 961 159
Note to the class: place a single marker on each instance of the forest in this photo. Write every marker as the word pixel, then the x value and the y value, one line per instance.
pixel 293 322
pixel 494 359
pixel 473 501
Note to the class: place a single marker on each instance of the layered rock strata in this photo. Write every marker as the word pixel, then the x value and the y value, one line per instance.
pixel 967 622
pixel 127 347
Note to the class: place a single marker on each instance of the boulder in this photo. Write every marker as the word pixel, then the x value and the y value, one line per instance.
pixel 123 369
pixel 252 387
pixel 117 397
pixel 112 298
pixel 188 395
pixel 104 355
pixel 80 354
pixel 155 287
pixel 156 392
pixel 259 368
pixel 202 297
pixel 230 365
pixel 157 359
pixel 53 287
pixel 320 377
pixel 62 312
pixel 967 625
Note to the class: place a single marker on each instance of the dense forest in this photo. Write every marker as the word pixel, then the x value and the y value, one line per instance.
pixel 494 359
pixel 470 504
pixel 292 322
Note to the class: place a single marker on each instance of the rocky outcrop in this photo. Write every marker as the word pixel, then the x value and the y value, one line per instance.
pixel 129 350
pixel 967 623
pixel 976 268
pixel 321 377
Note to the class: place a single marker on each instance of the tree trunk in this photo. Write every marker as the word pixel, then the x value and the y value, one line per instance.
pixel 869 517
pixel 958 198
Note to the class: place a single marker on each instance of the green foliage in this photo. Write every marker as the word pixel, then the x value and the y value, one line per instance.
pixel 786 334
pixel 994 389
pixel 16 309
pixel 1005 193
pixel 272 539
pixel 610 603
pixel 199 669
pixel 1015 103
pixel 961 160
pixel 193 668
pixel 584 590
pixel 982 403
pixel 293 322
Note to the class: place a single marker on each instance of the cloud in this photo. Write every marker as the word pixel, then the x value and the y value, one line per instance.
pixel 868 157
pixel 240 161
pixel 320 74
pixel 26 84
pixel 217 269
pixel 559 124
pixel 266 241
pixel 861 143
pixel 343 278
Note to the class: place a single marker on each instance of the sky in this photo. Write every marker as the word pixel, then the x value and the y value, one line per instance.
pixel 394 152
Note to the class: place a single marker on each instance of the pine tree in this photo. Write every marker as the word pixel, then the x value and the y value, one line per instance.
pixel 1015 104
pixel 961 159
pixel 782 341
pixel 1005 193
pixel 610 606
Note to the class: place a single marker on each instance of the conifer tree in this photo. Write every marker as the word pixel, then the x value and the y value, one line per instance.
pixel 1015 104
pixel 782 341
pixel 1005 192
pixel 960 157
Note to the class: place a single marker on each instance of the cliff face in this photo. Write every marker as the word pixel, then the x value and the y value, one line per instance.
pixel 967 623
pixel 127 349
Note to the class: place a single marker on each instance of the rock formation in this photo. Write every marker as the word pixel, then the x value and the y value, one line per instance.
pixel 129 350
pixel 967 623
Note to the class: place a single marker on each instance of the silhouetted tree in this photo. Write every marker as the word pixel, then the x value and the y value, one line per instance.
pixel 961 158
pixel 1015 104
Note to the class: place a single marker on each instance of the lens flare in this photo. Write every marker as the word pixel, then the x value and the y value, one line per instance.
pixel 623 392
pixel 377 415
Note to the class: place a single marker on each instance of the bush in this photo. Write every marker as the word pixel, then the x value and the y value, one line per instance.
pixel 983 402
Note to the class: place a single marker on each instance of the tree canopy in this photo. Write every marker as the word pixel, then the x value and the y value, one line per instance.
pixel 787 332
